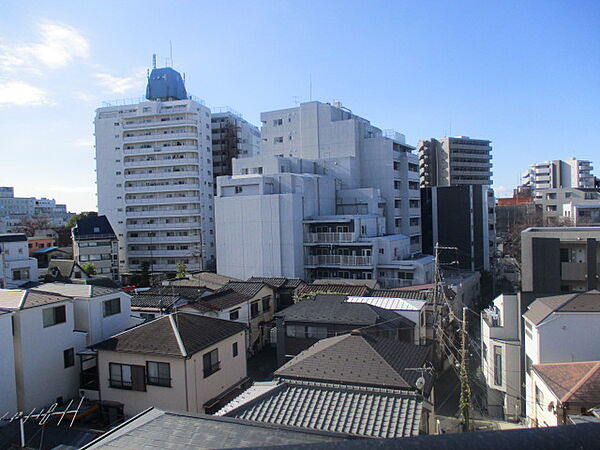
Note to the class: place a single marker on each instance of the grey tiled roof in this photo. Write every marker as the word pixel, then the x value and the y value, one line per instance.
pixel 577 302
pixel 249 288
pixel 366 412
pixel 189 292
pixel 153 301
pixel 160 336
pixel 15 299
pixel 221 299
pixel 361 359
pixel 410 295
pixel 286 283
pixel 333 309
pixel 162 429
pixel 345 289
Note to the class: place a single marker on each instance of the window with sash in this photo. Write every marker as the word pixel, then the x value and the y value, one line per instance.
pixel 211 362
pixel 125 376
pixel 159 373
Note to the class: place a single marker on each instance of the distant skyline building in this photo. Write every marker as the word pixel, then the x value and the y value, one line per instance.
pixel 454 161
pixel 570 173
pixel 330 196
pixel 154 177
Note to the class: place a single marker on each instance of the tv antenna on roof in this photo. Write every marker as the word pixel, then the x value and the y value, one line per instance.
pixel 154 61
pixel 43 417
pixel 171 52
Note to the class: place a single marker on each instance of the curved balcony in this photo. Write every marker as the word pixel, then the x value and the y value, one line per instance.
pixel 163 239
pixel 161 137
pixel 160 124
pixel 162 162
pixel 164 213
pixel 162 188
pixel 163 175
pixel 162 200
pixel 163 226
pixel 160 149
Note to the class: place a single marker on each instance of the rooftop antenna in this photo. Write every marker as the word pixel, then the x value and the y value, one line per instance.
pixel 296 99
pixel 154 61
pixel 171 52
pixel 310 87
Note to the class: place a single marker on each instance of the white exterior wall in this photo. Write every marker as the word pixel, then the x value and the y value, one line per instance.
pixel 562 337
pixel 189 389
pixel 89 317
pixel 40 373
pixel 14 256
pixel 8 387
pixel 138 203
pixel 539 413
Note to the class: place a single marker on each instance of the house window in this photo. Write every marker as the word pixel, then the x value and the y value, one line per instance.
pixel 54 316
pixel 112 307
pixel 125 376
pixel 266 303
pixel 69 357
pixel 159 374
pixel 147 316
pixel 234 349
pixel 238 189
pixel 234 314
pixel 278 139
pixel 528 364
pixel 539 397
pixel 211 362
pixel 254 309
pixel 497 365
pixel 484 351
pixel 20 274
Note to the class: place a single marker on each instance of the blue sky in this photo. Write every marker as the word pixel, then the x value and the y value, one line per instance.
pixel 525 74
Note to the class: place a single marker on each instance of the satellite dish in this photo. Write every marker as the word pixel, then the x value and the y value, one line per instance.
pixel 420 383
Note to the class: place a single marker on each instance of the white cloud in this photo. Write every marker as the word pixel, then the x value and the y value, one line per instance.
pixel 58 45
pixel 19 93
pixel 122 85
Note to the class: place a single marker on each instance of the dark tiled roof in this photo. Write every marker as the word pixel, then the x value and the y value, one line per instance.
pixel 286 283
pixel 577 302
pixel 410 295
pixel 15 299
pixel 160 336
pixel 221 299
pixel 331 308
pixel 345 289
pixel 189 292
pixel 155 428
pixel 360 359
pixel 85 228
pixel 575 383
pixel 249 288
pixel 13 237
pixel 381 413
pixel 153 301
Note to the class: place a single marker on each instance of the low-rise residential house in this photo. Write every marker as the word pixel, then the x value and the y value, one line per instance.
pixel 327 315
pixel 94 241
pixel 583 215
pixel 36 243
pixel 65 269
pixel 248 302
pixel 560 328
pixel 356 383
pixel 181 362
pixel 8 391
pixel 16 267
pixel 47 254
pixel 285 289
pixel 45 341
pixel 99 311
pixel 501 357
pixel 212 281
pixel 157 301
pixel 563 389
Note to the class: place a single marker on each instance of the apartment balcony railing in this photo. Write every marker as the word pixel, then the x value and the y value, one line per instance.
pixel 573 271
pixel 162 239
pixel 161 137
pixel 162 188
pixel 161 200
pixel 156 253
pixel 158 123
pixel 164 267
pixel 161 162
pixel 338 260
pixel 312 238
pixel 161 149
pixel 162 175
pixel 391 283
pixel 164 213
pixel 163 226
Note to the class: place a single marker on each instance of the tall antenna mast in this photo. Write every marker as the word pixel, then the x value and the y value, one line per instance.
pixel 171 52
pixel 154 61
pixel 310 87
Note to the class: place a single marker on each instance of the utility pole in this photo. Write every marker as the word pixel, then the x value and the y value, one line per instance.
pixel 465 389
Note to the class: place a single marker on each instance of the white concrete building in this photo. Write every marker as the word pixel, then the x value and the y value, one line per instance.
pixel 501 357
pixel 570 173
pixel 454 161
pixel 324 173
pixel 180 362
pixel 16 267
pixel 14 209
pixel 154 175
pixel 562 328
pixel 8 387
pixel 583 214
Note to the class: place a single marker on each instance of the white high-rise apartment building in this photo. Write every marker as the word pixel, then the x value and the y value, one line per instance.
pixel 154 176
pixel 571 173
pixel 330 196
pixel 453 161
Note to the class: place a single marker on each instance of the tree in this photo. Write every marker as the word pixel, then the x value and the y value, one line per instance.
pixel 145 274
pixel 82 215
pixel 30 225
pixel 181 269
pixel 89 268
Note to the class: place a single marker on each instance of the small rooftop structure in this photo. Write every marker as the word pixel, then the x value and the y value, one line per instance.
pixel 13 237
pixel 93 228
pixel 165 83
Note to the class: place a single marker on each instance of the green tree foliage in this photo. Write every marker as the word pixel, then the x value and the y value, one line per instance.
pixel 145 274
pixel 181 269
pixel 82 215
pixel 89 268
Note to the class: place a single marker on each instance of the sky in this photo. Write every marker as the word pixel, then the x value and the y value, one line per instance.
pixel 524 74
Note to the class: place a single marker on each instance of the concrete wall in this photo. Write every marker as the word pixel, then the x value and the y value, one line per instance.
pixel 8 389
pixel 89 317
